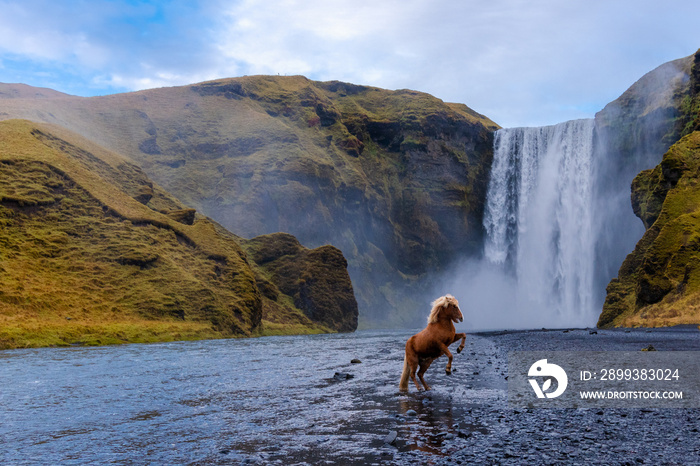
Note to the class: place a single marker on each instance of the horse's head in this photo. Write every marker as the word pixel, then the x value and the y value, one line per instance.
pixel 455 312
pixel 446 307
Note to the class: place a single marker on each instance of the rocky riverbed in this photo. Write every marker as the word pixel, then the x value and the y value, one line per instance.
pixel 583 436
pixel 325 399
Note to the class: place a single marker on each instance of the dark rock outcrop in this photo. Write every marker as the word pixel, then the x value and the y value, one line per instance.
pixel 316 279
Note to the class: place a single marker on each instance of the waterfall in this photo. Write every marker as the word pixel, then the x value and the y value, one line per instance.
pixel 538 220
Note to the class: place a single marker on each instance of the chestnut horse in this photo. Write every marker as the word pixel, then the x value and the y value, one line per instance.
pixel 426 346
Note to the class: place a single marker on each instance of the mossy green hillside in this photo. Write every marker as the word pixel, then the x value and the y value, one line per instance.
pixel 83 261
pixel 659 282
pixel 395 179
pixel 92 252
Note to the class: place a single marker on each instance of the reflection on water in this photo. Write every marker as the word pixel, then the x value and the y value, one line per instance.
pixel 434 424
pixel 266 400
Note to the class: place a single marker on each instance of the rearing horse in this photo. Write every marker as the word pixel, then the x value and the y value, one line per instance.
pixel 429 344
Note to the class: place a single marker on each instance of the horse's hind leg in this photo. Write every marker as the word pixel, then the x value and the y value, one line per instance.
pixel 412 361
pixel 424 365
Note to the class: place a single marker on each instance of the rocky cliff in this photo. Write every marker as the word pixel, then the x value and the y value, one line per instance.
pixel 659 282
pixel 93 252
pixel 316 280
pixel 655 284
pixel 394 179
pixel 632 134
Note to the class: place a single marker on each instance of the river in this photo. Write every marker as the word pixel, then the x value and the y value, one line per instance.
pixel 300 400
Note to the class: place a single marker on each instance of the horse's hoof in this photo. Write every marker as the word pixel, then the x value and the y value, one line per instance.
pixel 448 372
pixel 459 350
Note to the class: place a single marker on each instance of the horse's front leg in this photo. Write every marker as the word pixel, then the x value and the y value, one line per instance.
pixel 446 351
pixel 463 336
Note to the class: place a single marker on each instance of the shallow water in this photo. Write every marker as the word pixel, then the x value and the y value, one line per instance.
pixel 266 400
pixel 276 400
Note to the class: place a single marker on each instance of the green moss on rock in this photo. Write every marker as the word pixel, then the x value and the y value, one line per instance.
pixel 659 282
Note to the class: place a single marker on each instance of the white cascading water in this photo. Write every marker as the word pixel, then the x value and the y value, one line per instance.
pixel 538 220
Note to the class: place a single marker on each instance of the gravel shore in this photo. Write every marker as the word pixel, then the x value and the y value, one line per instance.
pixel 564 436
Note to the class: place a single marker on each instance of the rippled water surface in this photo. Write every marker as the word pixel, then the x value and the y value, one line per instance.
pixel 264 400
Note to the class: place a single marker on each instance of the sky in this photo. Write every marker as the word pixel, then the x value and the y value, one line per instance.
pixel 519 62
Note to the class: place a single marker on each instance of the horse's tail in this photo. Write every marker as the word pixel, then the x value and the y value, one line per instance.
pixel 403 384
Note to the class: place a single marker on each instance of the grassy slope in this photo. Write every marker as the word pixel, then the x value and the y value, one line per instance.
pixel 395 179
pixel 83 261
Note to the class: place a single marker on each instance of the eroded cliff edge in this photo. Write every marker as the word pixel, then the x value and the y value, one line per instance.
pixel 657 282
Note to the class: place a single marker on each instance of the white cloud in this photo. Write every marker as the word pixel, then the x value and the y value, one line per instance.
pixel 328 40
pixel 519 62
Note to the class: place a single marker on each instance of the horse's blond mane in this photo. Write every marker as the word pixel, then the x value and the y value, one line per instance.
pixel 441 302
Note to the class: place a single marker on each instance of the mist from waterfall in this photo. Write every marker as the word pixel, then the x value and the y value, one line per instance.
pixel 538 264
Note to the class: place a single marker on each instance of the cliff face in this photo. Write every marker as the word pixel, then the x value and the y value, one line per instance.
pixel 93 252
pixel 650 116
pixel 394 179
pixel 632 134
pixel 659 282
pixel 655 285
